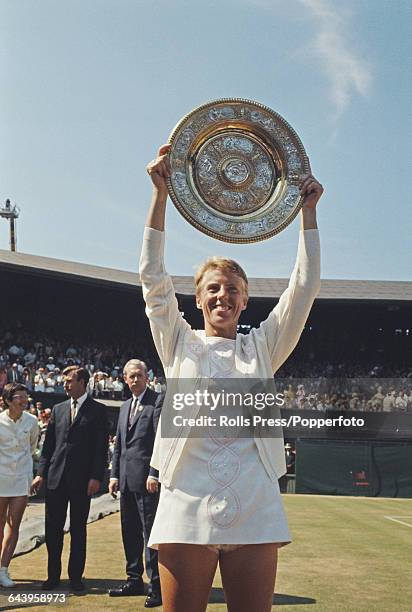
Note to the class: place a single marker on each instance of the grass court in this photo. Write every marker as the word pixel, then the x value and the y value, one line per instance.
pixel 348 554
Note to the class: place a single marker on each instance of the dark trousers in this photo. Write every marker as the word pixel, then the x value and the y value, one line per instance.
pixel 137 511
pixel 57 501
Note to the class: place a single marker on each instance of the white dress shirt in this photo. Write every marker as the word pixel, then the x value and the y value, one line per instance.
pixel 80 400
pixel 136 403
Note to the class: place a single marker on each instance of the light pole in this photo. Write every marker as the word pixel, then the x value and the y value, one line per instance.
pixel 11 212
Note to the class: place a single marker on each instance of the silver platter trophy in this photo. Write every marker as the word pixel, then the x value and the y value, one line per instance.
pixel 236 167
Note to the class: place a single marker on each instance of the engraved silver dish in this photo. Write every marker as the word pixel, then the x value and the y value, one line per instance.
pixel 236 167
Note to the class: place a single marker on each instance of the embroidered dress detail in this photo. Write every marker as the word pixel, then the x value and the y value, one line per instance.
pixel 224 504
pixel 221 487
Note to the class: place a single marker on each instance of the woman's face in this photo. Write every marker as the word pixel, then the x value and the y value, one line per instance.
pixel 19 401
pixel 221 298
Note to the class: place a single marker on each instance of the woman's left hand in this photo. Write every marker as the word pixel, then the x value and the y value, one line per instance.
pixel 311 191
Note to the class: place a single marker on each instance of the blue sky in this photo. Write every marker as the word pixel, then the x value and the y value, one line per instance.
pixel 91 88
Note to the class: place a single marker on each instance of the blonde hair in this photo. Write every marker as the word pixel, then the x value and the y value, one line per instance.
pixel 223 264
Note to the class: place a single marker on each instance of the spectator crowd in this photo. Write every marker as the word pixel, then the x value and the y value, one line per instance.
pixel 385 395
pixel 39 363
pixel 308 383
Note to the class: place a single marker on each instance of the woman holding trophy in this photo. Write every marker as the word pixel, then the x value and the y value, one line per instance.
pixel 241 527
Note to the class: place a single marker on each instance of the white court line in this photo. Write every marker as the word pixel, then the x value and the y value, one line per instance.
pixel 396 520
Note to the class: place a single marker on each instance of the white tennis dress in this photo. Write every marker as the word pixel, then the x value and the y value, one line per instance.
pixel 221 492
pixel 18 441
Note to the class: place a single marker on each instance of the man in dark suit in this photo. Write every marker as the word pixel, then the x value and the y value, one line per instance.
pixel 73 460
pixel 13 374
pixel 137 481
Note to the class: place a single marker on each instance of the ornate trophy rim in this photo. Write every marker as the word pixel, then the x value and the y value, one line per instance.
pixel 276 146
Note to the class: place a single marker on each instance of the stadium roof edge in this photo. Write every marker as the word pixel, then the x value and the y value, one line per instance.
pixel 258 287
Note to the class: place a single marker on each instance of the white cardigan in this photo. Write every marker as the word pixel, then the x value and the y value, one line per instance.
pixel 18 443
pixel 259 354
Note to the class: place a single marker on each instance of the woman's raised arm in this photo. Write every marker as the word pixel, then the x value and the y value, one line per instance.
pixel 162 308
pixel 159 171
pixel 311 191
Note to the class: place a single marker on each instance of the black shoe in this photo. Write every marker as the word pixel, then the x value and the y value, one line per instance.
pixel 77 585
pixel 131 587
pixel 50 584
pixel 153 600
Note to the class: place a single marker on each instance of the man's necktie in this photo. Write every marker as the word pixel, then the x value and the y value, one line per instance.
pixel 133 410
pixel 73 409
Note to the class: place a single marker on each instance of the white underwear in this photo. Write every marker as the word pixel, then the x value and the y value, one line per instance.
pixel 224 548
